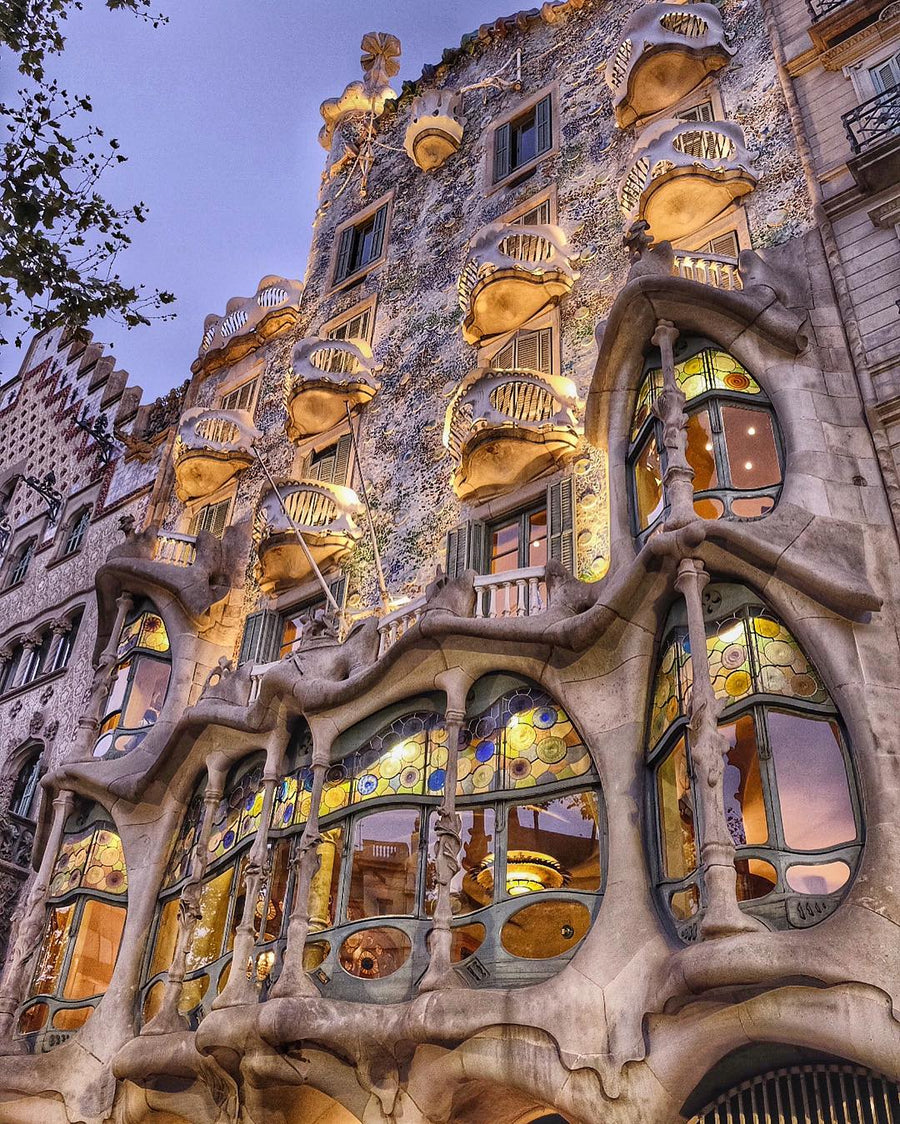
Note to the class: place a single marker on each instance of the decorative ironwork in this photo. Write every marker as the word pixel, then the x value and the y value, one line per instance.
pixel 876 120
pixel 46 490
pixel 818 9
pixel 101 434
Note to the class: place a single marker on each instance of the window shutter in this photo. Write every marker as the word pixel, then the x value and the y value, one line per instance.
pixel 342 451
pixel 725 245
pixel 465 548
pixel 561 518
pixel 501 152
pixel 545 362
pixel 505 359
pixel 342 269
pixel 217 519
pixel 261 641
pixel 378 234
pixel 543 124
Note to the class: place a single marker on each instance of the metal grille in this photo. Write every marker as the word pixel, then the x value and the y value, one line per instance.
pixel 233 322
pixel 809 1094
pixel 272 296
pixel 874 121
pixel 524 401
pixel 685 23
pixel 820 8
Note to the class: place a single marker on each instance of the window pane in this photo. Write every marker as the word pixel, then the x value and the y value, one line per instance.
pixel 323 891
pixel 96 948
pixel 207 940
pixel 524 138
pixel 816 809
pixel 53 949
pixel 553 844
pixel 148 690
pixel 750 441
pixel 537 538
pixel 116 697
pixel 700 453
pixel 269 928
pixel 648 484
pixel 505 548
pixel 755 879
pixel 385 860
pixel 473 885
pixel 166 936
pixel 676 814
pixel 745 807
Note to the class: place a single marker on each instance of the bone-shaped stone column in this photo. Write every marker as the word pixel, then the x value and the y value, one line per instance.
pixel 29 925
pixel 168 1018
pixel 723 916
pixel 678 478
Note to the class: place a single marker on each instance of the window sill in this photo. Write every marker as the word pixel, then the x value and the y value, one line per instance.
pixel 38 681
pixel 355 278
pixel 521 173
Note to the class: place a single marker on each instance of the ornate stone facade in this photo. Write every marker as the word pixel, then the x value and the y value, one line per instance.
pixel 510 736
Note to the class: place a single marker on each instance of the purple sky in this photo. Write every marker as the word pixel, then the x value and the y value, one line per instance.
pixel 218 113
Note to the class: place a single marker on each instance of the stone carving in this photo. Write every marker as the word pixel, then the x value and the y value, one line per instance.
pixel 435 130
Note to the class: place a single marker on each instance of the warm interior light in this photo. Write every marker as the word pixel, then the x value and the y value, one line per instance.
pixel 709 446
pixel 748 465
pixel 752 431
pixel 527 872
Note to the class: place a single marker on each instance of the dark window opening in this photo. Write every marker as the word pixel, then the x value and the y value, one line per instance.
pixel 523 139
pixel 361 244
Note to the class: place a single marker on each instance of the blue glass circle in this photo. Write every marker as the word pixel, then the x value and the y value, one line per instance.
pixel 367 784
pixel 545 718
pixel 436 780
pixel 228 838
pixel 288 814
pixel 484 752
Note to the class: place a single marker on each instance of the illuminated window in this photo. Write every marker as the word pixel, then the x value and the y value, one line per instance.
pixel 790 797
pixel 141 679
pixel 532 854
pixel 733 444
pixel 86 910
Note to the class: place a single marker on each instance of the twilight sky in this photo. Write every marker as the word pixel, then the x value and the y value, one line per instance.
pixel 218 113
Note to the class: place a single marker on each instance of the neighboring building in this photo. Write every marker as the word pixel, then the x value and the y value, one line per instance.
pixel 64 489
pixel 493 711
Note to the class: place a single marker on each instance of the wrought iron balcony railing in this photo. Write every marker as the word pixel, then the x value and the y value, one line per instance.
pixel 876 120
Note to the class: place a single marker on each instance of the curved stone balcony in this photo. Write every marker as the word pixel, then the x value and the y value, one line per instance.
pixel 513 273
pixel 665 51
pixel 211 447
pixel 503 428
pixel 248 323
pixel 683 174
pixel 326 376
pixel 324 514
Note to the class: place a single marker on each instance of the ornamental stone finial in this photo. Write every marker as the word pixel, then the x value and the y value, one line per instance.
pixel 380 62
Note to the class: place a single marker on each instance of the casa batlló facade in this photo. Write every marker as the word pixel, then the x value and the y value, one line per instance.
pixel 491 715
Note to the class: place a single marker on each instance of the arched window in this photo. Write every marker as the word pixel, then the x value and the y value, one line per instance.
pixel 61 654
pixel 35 659
pixel 143 664
pixel 23 802
pixel 733 444
pixel 77 530
pixel 85 917
pixel 20 563
pixel 17 828
pixel 532 857
pixel 790 798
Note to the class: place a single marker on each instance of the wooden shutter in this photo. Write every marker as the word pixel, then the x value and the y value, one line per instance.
pixel 543 125
pixel 505 359
pixel 342 451
pixel 561 520
pixel 378 234
pixel 345 248
pixel 502 138
pixel 465 548
pixel 532 351
pixel 725 245
pixel 261 642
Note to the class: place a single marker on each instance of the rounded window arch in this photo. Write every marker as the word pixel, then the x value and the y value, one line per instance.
pixel 26 790
pixel 76 530
pixel 86 908
pixel 532 856
pixel 733 441
pixel 20 563
pixel 791 801
pixel 141 679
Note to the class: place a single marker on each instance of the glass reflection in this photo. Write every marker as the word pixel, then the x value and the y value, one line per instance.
pixel 552 844
pixel 385 860
pixel 700 452
pixel 96 949
pixel 472 886
pixel 755 878
pixel 750 443
pixel 745 806
pixel 648 484
pixel 372 954
pixel 676 808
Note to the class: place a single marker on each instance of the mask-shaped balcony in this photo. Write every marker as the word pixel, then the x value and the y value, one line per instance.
pixel 327 376
pixel 325 515
pixel 435 130
pixel 683 174
pixel 666 50
pixel 504 428
pixel 513 273
pixel 212 446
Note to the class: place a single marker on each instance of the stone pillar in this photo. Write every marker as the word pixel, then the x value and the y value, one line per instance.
pixel 678 477
pixel 168 1018
pixel 439 973
pixel 293 979
pixel 723 916
pixel 101 686
pixel 6 655
pixel 60 630
pixel 29 645
pixel 29 925
pixel 240 988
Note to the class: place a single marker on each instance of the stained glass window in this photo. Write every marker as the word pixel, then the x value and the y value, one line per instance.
pixel 141 680
pixel 84 923
pixel 788 786
pixel 732 441
pixel 182 848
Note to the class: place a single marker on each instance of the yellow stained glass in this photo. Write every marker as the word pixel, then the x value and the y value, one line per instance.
pixel 729 660
pixel 106 866
pixel 153 634
pixel 166 936
pixel 667 701
pixel 783 668
pixel 70 863
pixel 96 949
pixel 128 637
pixel 206 944
pixel 53 949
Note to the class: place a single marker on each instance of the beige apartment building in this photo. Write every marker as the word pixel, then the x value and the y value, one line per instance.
pixel 489 712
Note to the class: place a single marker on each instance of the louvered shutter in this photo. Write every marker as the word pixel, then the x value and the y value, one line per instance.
pixel 342 451
pixel 378 234
pixel 218 515
pixel 261 642
pixel 344 251
pixel 505 359
pixel 725 245
pixel 543 125
pixel 561 519
pixel 502 138
pixel 465 549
